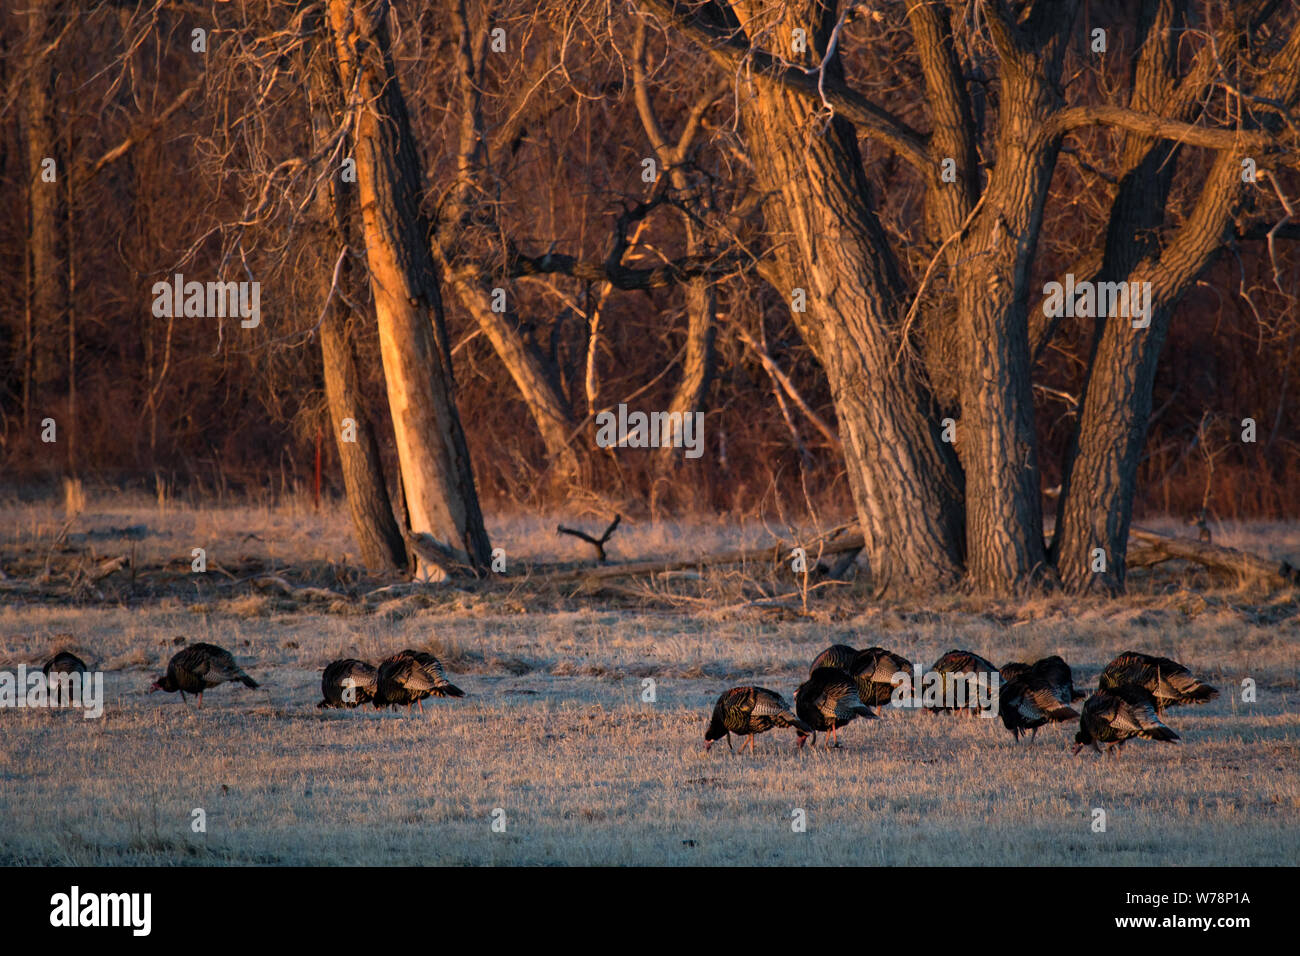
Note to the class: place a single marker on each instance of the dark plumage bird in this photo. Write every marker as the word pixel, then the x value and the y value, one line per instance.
pixel 1058 674
pixel 199 667
pixel 828 700
pixel 1014 669
pixel 1168 681
pixel 748 712
pixel 839 656
pixel 968 664
pixel 64 662
pixel 1111 716
pixel 874 670
pixel 1034 698
pixel 410 676
pixel 348 683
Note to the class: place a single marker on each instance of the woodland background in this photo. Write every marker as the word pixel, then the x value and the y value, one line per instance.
pixel 177 161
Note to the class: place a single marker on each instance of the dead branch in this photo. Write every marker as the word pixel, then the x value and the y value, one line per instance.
pixel 597 543
pixel 1230 560
pixel 264 581
pixel 768 554
pixel 105 568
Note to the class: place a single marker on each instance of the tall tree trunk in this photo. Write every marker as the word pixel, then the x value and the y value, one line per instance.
pixel 1097 505
pixel 1005 550
pixel 436 474
pixel 905 479
pixel 378 536
pixel 376 530
pixel 47 275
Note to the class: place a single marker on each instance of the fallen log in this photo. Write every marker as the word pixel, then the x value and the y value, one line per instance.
pixel 769 553
pixel 105 568
pixel 1229 560
pixel 264 581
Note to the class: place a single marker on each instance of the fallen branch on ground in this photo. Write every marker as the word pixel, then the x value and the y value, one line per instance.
pixel 264 581
pixel 1252 566
pixel 770 554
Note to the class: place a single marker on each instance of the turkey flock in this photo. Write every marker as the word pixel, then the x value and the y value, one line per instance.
pixel 407 677
pixel 844 684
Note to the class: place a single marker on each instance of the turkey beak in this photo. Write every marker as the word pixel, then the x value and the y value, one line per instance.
pixel 1074 751
pixel 707 745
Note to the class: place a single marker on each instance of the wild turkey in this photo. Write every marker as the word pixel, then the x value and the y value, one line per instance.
pixel 1113 715
pixel 973 668
pixel 348 683
pixel 1169 682
pixel 828 700
pixel 64 662
pixel 874 670
pixel 1058 674
pixel 410 676
pixel 1031 700
pixel 748 712
pixel 1014 669
pixel 199 667
pixel 839 656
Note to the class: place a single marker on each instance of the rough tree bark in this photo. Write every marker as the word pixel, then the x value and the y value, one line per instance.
pixel 1096 510
pixel 378 536
pixel 47 276
pixel 905 479
pixel 835 246
pixel 997 445
pixel 437 478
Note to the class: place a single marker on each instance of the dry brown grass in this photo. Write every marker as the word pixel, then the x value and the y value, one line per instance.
pixel 555 732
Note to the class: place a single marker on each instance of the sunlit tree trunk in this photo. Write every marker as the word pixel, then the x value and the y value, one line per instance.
pixel 378 536
pixel 905 479
pixel 437 478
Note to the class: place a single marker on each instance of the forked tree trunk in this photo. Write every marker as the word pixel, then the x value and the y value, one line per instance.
pixel 905 480
pixel 1097 504
pixel 437 478
pixel 701 300
pixel 1005 551
pixel 378 536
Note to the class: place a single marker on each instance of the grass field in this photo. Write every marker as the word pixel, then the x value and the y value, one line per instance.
pixel 555 732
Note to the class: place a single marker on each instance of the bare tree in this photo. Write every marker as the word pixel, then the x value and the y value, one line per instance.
pixel 381 542
pixel 926 521
pixel 437 480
